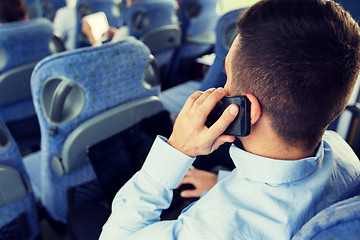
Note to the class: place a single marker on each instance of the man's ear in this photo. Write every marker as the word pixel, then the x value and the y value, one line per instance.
pixel 255 109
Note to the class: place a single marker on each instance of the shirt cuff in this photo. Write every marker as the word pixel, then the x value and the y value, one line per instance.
pixel 165 164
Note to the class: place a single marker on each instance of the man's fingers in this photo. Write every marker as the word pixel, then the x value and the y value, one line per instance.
pixel 203 97
pixel 190 193
pixel 207 102
pixel 190 101
pixel 211 101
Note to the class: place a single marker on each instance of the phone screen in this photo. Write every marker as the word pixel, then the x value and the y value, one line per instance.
pixel 241 125
pixel 98 23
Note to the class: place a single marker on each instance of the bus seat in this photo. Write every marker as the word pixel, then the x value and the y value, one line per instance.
pixel 174 98
pixel 198 20
pixel 86 7
pixel 49 7
pixel 22 45
pixel 19 217
pixel 70 89
pixel 155 23
pixel 34 8
pixel 347 124
pixel 18 210
pixel 225 35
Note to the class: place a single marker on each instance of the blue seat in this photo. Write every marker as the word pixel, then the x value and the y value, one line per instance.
pixel 225 35
pixel 339 221
pixel 347 124
pixel 22 45
pixel 123 12
pixel 49 7
pixel 34 8
pixel 198 20
pixel 155 23
pixel 19 216
pixel 73 93
pixel 175 97
pixel 86 7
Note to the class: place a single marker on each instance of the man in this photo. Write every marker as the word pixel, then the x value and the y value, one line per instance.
pixel 114 34
pixel 297 61
pixel 65 23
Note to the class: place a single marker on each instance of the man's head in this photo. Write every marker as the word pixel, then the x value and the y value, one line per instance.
pixel 300 59
pixel 12 11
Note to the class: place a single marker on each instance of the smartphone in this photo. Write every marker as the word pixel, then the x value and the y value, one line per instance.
pixel 98 23
pixel 241 125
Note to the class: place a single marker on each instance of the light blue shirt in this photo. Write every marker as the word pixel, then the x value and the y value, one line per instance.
pixel 65 24
pixel 261 199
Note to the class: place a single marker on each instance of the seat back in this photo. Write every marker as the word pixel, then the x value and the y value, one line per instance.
pixel 86 7
pixel 339 221
pixel 225 35
pixel 19 217
pixel 144 16
pixel 22 45
pixel 155 23
pixel 197 17
pixel 34 8
pixel 71 88
pixel 347 124
pixel 198 20
pixel 49 7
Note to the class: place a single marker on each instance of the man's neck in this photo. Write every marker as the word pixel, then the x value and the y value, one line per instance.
pixel 264 142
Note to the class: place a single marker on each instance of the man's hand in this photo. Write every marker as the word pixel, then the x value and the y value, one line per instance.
pixel 87 30
pixel 203 181
pixel 190 135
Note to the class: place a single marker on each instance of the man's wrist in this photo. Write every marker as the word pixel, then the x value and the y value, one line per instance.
pixel 165 164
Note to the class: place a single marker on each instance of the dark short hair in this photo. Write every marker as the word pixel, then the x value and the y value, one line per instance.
pixel 300 58
pixel 12 10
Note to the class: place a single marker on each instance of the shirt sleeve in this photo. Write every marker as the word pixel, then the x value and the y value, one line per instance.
pixel 139 203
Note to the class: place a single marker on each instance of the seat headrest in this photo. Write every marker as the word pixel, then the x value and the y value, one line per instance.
pixel 83 9
pixel 228 36
pixel 24 42
pixel 192 10
pixel 140 20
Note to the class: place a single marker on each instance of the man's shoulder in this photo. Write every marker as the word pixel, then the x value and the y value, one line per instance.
pixel 66 12
pixel 340 149
pixel 331 134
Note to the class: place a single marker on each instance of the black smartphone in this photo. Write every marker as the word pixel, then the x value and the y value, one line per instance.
pixel 241 125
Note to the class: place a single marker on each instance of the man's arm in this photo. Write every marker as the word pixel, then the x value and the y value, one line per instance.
pixel 138 205
pixel 140 201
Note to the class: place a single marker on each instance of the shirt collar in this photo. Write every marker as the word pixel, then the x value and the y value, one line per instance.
pixel 274 171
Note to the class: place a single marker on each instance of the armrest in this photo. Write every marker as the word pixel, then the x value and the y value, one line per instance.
pixel 102 127
pixel 12 187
